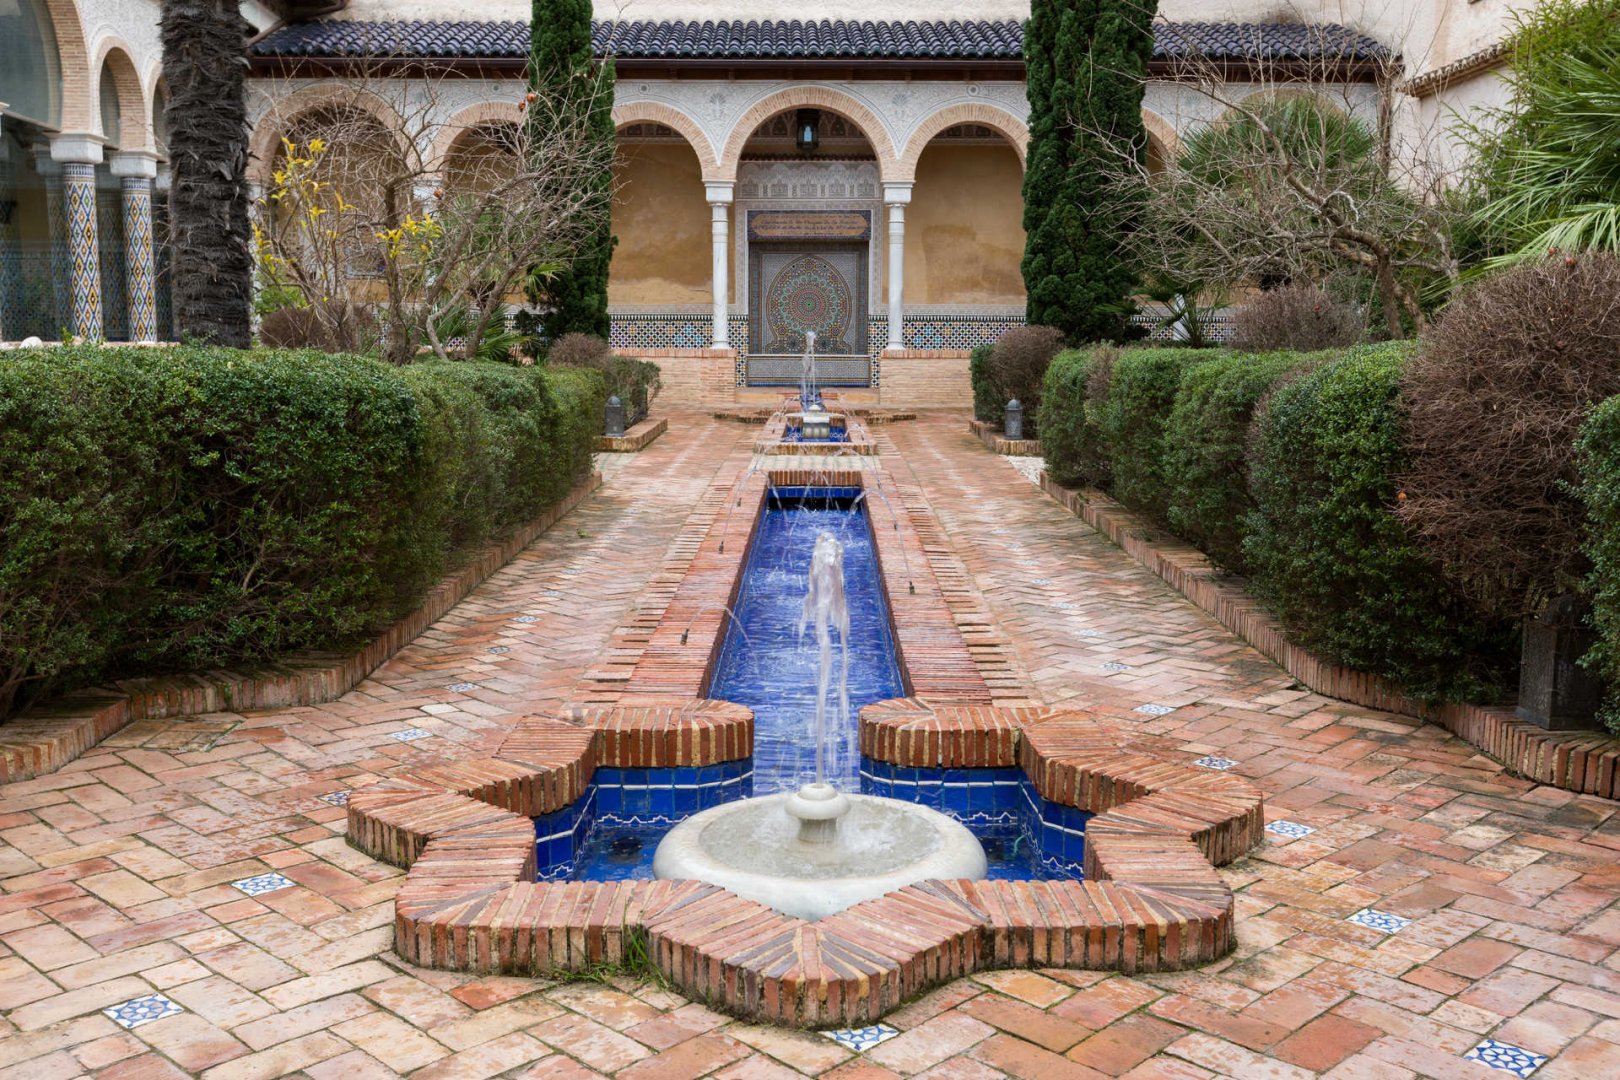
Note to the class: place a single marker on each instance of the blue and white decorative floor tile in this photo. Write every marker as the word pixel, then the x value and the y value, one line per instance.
pixel 1514 1059
pixel 461 687
pixel 1220 764
pixel 258 886
pixel 142 1010
pixel 527 618
pixel 1064 605
pixel 863 1039
pixel 500 648
pixel 1116 667
pixel 1291 829
pixel 552 592
pixel 336 798
pixel 410 734
pixel 1089 632
pixel 1154 710
pixel 1382 921
pixel 1042 581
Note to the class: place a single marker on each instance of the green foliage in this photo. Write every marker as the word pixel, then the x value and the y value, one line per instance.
pixel 1550 161
pixel 1071 435
pixel 1599 449
pixel 561 64
pixel 1206 438
pixel 988 404
pixel 196 507
pixel 1132 422
pixel 1085 62
pixel 1328 555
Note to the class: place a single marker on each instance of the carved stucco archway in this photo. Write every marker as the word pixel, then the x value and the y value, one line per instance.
pixel 482 115
pixel 810 95
pixel 1003 122
pixel 78 82
pixel 1162 132
pixel 285 111
pixel 652 112
pixel 113 61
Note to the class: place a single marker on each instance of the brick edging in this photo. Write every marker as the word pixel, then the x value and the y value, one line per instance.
pixel 51 736
pixel 1585 762
pixel 639 436
pixel 992 438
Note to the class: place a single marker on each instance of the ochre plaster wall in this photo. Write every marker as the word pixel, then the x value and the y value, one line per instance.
pixel 662 221
pixel 964 227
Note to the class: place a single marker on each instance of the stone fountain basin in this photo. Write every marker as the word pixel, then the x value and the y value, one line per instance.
pixel 752 847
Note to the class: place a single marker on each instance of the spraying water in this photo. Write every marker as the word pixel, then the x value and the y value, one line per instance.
pixel 807 372
pixel 825 609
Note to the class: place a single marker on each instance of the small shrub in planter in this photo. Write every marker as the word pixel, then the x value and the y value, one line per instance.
pixel 1018 365
pixel 1330 557
pixel 1599 449
pixel 1206 442
pixel 1303 318
pixel 1495 399
pixel 636 382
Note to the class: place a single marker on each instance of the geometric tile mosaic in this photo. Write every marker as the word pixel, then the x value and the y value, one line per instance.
pixel 1218 763
pixel 409 735
pixel 1382 921
pixel 258 886
pixel 863 1039
pixel 1516 1060
pixel 1291 829
pixel 142 1010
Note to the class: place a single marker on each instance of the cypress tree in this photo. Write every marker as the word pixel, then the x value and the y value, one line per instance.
pixel 1086 61
pixel 561 64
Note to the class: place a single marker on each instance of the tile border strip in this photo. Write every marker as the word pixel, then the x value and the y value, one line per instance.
pixel 49 737
pixel 1584 762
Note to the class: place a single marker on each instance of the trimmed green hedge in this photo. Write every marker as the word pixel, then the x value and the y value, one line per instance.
pixel 166 509
pixel 1205 449
pixel 988 404
pixel 1281 467
pixel 1599 449
pixel 1132 420
pixel 1332 561
pixel 1071 438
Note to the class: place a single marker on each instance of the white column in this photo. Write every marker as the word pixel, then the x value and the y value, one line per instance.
pixel 719 196
pixel 896 196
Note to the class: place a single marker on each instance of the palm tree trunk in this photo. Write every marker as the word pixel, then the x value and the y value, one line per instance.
pixel 211 267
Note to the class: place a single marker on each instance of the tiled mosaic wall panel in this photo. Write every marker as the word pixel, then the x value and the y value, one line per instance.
pixel 31 310
pixel 114 282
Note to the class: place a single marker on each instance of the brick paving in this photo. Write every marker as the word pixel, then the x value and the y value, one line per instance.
pixel 115 873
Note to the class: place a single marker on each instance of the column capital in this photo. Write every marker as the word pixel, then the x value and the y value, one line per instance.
pixel 133 164
pixel 77 148
pixel 718 191
pixel 897 194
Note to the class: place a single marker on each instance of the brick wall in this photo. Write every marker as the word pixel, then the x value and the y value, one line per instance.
pixel 693 378
pixel 927 378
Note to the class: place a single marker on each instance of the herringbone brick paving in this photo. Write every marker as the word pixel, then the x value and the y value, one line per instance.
pixel 115 872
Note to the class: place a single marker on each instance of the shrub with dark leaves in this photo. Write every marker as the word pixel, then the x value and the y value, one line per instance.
pixel 1494 402
pixel 1018 366
pixel 1300 317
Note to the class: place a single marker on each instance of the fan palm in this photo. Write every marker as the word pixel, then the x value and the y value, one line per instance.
pixel 1554 172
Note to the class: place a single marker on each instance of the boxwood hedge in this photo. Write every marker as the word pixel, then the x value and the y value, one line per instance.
pixel 164 509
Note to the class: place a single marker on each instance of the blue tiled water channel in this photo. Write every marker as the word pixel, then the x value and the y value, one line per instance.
pixel 765 664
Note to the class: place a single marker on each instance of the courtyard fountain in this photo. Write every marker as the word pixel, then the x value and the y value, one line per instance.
pixel 818 850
